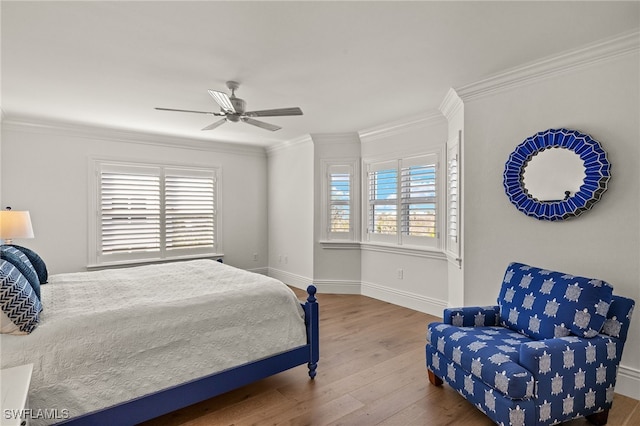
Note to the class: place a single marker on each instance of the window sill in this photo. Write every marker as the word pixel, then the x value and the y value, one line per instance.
pixel 340 244
pixel 425 252
pixel 141 262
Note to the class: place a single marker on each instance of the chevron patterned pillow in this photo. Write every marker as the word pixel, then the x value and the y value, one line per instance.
pixel 22 262
pixel 20 306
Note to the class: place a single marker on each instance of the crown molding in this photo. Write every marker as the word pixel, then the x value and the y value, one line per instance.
pixel 335 138
pixel 552 66
pixel 64 128
pixel 400 126
pixel 451 104
pixel 289 144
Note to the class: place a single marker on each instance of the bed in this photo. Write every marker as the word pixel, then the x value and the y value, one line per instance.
pixel 122 346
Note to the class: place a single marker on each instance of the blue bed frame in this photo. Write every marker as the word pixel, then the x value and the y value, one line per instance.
pixel 180 396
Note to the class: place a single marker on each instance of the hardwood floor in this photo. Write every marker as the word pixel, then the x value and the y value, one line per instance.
pixel 371 372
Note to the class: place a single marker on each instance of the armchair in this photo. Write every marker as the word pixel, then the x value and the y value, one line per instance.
pixel 548 352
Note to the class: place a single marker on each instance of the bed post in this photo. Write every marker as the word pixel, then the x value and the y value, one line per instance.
pixel 312 323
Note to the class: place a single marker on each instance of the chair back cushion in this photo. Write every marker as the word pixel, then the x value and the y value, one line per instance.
pixel 545 304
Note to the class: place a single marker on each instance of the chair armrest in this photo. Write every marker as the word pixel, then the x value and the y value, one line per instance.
pixel 472 316
pixel 544 356
pixel 572 369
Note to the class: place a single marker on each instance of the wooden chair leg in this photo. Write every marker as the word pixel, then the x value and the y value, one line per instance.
pixel 599 419
pixel 435 380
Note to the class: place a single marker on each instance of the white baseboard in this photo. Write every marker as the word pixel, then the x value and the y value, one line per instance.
pixel 264 270
pixel 337 286
pixel 628 382
pixel 294 280
pixel 407 299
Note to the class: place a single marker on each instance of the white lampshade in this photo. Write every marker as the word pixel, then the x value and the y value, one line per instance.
pixel 15 224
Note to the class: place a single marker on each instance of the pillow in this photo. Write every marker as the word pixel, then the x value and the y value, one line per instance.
pixel 36 261
pixel 545 304
pixel 21 261
pixel 20 306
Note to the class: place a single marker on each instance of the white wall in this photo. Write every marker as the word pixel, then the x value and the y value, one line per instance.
pixel 291 212
pixel 601 99
pixel 424 275
pixel 45 169
pixel 336 267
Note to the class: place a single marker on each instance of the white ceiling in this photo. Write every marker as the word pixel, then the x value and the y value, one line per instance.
pixel 349 65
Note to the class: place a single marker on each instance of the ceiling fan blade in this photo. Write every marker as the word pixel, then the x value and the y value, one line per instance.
pixel 223 100
pixel 214 125
pixel 278 112
pixel 261 124
pixel 188 110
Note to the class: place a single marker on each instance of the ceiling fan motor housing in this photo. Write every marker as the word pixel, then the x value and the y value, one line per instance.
pixel 239 105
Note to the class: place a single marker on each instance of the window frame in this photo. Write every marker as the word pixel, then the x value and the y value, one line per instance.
pixel 328 168
pixel 96 258
pixel 400 238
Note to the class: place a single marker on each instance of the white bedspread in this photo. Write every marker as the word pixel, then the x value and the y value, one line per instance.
pixel 113 335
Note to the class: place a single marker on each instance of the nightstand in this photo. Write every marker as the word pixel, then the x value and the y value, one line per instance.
pixel 14 389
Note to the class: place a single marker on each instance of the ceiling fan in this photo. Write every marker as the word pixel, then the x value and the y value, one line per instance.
pixel 233 109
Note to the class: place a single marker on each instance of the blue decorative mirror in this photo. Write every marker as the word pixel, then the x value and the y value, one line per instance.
pixel 556 174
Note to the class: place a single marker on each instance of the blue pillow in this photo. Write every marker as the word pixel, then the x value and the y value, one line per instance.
pixel 20 306
pixel 545 304
pixel 21 261
pixel 36 261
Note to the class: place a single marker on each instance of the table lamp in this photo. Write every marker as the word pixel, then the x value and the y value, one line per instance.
pixel 15 224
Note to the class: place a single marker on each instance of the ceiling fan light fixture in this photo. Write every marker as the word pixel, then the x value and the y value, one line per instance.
pixel 223 100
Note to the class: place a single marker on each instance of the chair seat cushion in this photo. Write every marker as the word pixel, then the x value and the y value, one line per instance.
pixel 545 304
pixel 489 353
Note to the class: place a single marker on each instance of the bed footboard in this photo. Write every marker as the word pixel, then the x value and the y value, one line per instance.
pixel 313 336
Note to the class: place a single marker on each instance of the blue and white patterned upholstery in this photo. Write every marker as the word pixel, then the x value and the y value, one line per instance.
pixel 545 304
pixel 36 261
pixel 519 376
pixel 22 262
pixel 20 306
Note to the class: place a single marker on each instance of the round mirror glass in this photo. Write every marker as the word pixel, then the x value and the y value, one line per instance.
pixel 554 174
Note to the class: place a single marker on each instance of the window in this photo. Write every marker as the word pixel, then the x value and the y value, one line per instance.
pixel 383 195
pixel 418 201
pixel 402 201
pixel 149 212
pixel 339 199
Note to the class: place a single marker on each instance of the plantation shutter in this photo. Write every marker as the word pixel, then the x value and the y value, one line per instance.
pixel 190 200
pixel 147 212
pixel 129 210
pixel 383 198
pixel 340 192
pixel 452 190
pixel 418 202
